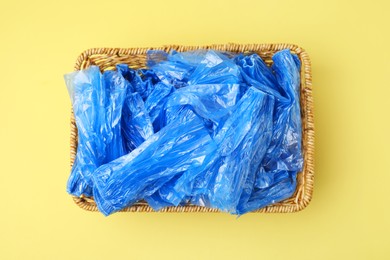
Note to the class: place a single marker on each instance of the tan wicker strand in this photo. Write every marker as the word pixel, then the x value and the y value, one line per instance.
pixel 107 58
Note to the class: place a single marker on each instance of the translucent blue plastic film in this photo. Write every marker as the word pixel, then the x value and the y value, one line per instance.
pixel 87 94
pixel 136 123
pixel 97 105
pixel 179 146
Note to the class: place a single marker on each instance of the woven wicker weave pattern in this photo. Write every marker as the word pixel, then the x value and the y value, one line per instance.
pixel 107 58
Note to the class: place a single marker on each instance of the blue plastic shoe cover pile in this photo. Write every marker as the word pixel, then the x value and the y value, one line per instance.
pixel 206 128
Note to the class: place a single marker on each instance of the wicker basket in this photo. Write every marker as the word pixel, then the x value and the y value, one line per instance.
pixel 107 58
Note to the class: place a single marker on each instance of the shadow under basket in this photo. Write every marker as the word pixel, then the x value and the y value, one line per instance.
pixel 107 58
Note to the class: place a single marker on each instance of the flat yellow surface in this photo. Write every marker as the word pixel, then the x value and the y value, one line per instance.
pixel 348 42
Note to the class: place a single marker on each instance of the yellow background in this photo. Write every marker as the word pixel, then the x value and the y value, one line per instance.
pixel 348 42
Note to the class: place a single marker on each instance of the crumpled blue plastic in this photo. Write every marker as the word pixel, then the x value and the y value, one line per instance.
pixel 212 102
pixel 214 129
pixel 136 123
pixel 284 152
pixel 180 146
pixel 116 89
pixel 242 142
pixel 155 102
pixel 97 105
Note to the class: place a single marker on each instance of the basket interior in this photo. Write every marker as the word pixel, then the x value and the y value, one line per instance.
pixel 108 58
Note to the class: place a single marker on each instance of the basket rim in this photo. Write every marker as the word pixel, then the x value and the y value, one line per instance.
pixel 304 190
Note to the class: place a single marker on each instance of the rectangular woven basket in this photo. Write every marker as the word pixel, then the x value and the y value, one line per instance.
pixel 107 58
